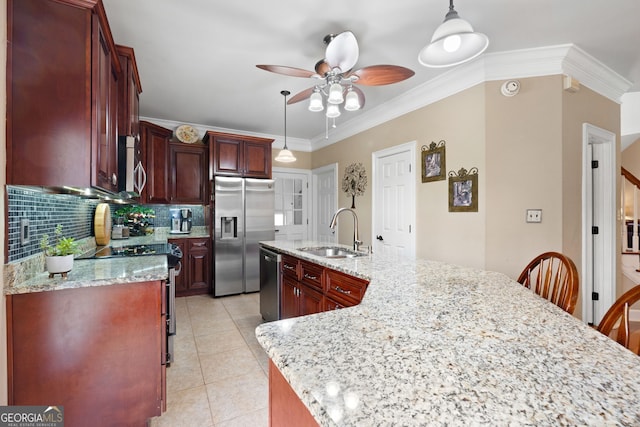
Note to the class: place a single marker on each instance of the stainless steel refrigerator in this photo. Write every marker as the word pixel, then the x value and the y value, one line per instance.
pixel 243 217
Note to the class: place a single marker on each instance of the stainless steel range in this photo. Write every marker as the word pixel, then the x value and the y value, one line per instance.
pixel 174 257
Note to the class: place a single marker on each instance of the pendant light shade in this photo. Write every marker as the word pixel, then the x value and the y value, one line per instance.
pixel 335 94
pixel 333 111
pixel 351 102
pixel 453 43
pixel 285 156
pixel 315 101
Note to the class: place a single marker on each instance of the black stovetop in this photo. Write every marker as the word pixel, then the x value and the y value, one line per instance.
pixel 172 251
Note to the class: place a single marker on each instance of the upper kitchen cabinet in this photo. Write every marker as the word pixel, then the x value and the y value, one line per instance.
pixel 62 77
pixel 154 141
pixel 238 155
pixel 129 90
pixel 176 172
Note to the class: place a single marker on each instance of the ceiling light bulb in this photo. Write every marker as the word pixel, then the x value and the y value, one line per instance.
pixel 335 94
pixel 452 43
pixel 315 102
pixel 351 103
pixel 333 111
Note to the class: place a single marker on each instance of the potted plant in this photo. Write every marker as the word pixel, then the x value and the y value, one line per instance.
pixel 58 254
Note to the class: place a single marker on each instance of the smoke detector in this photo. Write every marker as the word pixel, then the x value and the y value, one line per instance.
pixel 510 88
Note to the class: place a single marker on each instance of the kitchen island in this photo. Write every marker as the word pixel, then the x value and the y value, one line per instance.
pixel 439 344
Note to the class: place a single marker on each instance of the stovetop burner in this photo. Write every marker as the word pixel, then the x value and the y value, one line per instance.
pixel 171 250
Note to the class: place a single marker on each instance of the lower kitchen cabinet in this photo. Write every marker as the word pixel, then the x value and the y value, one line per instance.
pixel 96 351
pixel 194 276
pixel 298 299
pixel 308 288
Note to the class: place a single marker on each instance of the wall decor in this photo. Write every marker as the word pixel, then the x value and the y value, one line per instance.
pixel 355 181
pixel 463 190
pixel 433 161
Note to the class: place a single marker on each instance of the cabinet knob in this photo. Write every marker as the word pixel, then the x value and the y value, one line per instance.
pixel 114 179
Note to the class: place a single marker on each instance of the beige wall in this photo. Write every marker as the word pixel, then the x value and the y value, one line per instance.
pixel 3 163
pixel 528 150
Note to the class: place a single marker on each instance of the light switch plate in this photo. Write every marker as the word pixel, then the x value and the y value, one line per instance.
pixel 24 231
pixel 534 215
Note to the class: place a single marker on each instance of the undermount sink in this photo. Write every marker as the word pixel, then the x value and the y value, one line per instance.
pixel 332 252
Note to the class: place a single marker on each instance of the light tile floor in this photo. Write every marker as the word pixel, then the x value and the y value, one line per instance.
pixel 219 377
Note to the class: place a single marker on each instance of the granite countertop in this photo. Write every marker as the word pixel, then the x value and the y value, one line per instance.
pixel 439 344
pixel 21 279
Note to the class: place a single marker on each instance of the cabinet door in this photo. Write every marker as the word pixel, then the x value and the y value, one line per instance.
pixel 188 173
pixel 105 89
pixel 199 266
pixel 228 156
pixel 128 93
pixel 155 146
pixel 182 279
pixel 288 298
pixel 257 159
pixel 310 300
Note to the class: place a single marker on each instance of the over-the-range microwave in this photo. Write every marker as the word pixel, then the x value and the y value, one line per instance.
pixel 131 174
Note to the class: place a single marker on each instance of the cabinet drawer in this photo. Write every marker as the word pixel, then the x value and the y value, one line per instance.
pixel 331 304
pixel 311 275
pixel 290 266
pixel 345 288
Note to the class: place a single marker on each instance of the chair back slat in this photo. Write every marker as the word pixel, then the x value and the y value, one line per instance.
pixel 618 315
pixel 554 277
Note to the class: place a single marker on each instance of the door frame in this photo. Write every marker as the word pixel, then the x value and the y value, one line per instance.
pixel 332 167
pixel 607 296
pixel 375 158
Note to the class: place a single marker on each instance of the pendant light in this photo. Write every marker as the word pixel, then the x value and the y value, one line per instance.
pixel 453 43
pixel 285 156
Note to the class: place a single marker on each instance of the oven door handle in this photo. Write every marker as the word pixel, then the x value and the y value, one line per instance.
pixel 178 268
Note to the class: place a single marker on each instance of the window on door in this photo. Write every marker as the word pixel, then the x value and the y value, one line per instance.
pixel 291 200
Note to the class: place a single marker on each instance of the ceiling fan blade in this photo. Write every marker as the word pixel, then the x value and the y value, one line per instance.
pixel 287 71
pixel 342 51
pixel 301 96
pixel 378 75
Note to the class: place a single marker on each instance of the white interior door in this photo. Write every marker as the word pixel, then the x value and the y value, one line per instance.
pixel 325 197
pixel 394 200
pixel 291 204
pixel 599 237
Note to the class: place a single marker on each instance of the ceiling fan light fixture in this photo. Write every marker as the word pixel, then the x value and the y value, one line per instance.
pixel 351 102
pixel 315 102
pixel 333 111
pixel 453 43
pixel 285 156
pixel 335 94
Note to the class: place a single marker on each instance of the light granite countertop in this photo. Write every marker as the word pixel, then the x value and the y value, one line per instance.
pixel 98 272
pixel 439 344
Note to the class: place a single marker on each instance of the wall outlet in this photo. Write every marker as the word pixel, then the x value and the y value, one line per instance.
pixel 534 215
pixel 24 231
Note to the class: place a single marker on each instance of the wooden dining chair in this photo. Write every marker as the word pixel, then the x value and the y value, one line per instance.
pixel 618 315
pixel 554 277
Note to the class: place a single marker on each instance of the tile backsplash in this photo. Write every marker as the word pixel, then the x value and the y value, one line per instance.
pixel 44 211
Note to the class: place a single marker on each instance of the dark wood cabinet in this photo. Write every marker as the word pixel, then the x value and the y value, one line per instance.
pixel 308 288
pixel 176 172
pixel 129 90
pixel 61 94
pixel 97 351
pixel 154 143
pixel 188 165
pixel 194 277
pixel 238 155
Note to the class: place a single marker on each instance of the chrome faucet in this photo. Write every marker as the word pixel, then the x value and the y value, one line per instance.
pixel 356 237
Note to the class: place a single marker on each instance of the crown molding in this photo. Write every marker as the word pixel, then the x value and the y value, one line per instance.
pixel 296 144
pixel 544 61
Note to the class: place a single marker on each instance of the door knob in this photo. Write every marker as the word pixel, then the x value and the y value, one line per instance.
pixel 379 238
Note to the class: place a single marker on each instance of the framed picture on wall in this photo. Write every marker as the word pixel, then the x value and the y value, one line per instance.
pixel 463 190
pixel 433 162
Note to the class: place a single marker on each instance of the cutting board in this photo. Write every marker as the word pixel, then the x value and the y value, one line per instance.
pixel 102 224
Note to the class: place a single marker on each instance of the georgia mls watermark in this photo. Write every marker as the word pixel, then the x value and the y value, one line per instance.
pixel 31 416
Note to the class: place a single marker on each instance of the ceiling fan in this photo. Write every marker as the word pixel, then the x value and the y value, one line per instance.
pixel 336 77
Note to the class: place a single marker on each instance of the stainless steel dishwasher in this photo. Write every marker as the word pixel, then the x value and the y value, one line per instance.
pixel 269 284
